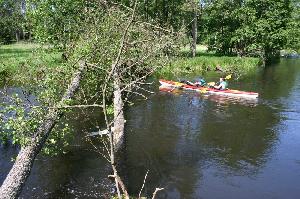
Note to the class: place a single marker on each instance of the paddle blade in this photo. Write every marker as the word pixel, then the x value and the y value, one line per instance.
pixel 178 84
pixel 228 76
pixel 204 90
pixel 211 83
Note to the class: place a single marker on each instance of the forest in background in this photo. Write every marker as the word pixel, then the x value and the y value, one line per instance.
pixel 227 27
pixel 98 54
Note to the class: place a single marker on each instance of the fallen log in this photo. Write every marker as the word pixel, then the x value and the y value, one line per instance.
pixel 14 181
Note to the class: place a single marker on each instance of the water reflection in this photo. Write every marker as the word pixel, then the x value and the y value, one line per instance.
pixel 194 145
pixel 209 146
pixel 81 173
pixel 220 99
pixel 160 146
pixel 240 138
pixel 179 141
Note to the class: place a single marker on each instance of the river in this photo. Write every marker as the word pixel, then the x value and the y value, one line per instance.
pixel 194 146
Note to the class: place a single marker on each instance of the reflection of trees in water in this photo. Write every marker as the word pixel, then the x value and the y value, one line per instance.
pixel 175 142
pixel 278 81
pixel 75 174
pixel 177 135
pixel 157 139
pixel 240 138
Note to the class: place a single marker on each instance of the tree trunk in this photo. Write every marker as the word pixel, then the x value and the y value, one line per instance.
pixel 17 35
pixel 118 130
pixel 195 30
pixel 12 185
pixel 146 9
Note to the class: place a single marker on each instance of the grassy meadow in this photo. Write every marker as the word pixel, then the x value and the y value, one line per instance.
pixel 207 61
pixel 18 57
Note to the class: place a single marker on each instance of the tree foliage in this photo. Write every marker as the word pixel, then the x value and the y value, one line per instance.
pixel 252 27
pixel 11 20
pixel 293 30
pixel 93 31
pixel 145 47
pixel 58 22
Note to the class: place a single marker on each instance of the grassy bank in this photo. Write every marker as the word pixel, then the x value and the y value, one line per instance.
pixel 204 61
pixel 14 58
pixel 14 55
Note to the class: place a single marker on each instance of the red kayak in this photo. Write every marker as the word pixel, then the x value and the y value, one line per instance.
pixel 228 92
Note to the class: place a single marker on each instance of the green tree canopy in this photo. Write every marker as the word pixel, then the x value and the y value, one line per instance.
pixel 251 27
pixel 293 30
pixel 11 20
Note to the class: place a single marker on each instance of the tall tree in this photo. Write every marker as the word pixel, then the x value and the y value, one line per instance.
pixel 250 27
pixel 195 5
pixel 12 19
pixel 293 31
pixel 12 185
pixel 220 24
pixel 266 34
pixel 119 50
pixel 58 22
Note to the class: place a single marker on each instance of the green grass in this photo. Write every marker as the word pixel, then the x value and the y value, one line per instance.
pixel 199 49
pixel 11 56
pixel 25 56
pixel 204 61
pixel 16 58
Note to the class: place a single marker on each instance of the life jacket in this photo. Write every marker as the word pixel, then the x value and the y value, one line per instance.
pixel 202 82
pixel 224 85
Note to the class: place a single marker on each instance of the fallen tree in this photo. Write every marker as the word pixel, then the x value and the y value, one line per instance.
pixel 120 51
pixel 12 185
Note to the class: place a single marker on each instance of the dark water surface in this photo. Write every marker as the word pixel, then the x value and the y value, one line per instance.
pixel 215 147
pixel 194 146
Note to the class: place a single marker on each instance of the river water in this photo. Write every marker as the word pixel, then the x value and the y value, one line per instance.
pixel 194 146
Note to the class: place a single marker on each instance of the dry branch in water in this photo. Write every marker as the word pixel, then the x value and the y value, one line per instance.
pixel 155 192
pixel 143 184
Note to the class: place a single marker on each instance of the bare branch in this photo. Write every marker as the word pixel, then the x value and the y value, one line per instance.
pixel 78 106
pixel 21 169
pixel 143 184
pixel 155 192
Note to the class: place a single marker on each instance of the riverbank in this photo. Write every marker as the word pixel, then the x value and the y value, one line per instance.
pixel 205 61
pixel 288 53
pixel 15 56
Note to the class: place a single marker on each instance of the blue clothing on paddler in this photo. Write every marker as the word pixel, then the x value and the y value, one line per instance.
pixel 222 84
pixel 200 82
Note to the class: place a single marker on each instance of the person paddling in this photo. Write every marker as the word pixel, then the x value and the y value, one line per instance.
pixel 223 84
pixel 201 82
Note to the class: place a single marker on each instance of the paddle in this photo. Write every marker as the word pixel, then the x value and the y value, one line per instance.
pixel 203 90
pixel 214 83
pixel 211 84
pixel 177 85
pixel 228 76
